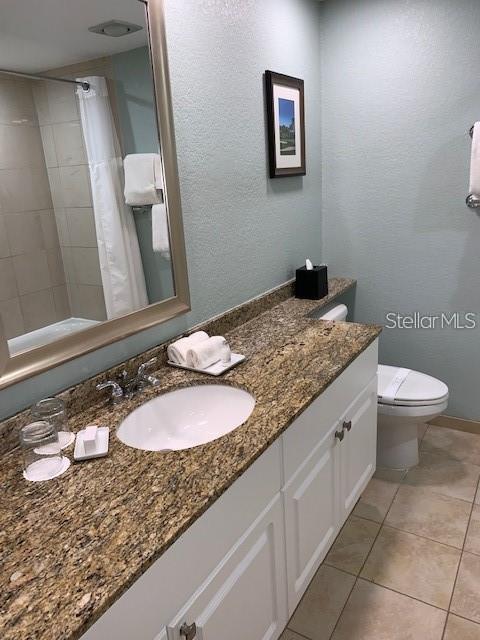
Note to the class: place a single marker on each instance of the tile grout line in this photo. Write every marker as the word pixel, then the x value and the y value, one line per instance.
pixel 343 608
pixel 323 564
pixel 418 535
pixel 405 595
pixel 300 635
pixel 357 577
pixel 457 615
pixel 460 562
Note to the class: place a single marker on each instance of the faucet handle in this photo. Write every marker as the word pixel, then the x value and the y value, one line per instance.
pixel 117 391
pixel 146 365
pixel 142 369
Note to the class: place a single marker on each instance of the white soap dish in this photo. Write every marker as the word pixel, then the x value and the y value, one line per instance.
pixel 87 447
pixel 215 369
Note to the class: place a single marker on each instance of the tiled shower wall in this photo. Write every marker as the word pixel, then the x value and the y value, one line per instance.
pixel 32 279
pixel 66 161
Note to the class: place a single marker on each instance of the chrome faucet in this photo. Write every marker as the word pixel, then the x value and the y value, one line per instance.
pixel 128 386
pixel 117 391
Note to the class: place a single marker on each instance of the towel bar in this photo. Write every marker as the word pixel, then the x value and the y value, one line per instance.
pixel 472 201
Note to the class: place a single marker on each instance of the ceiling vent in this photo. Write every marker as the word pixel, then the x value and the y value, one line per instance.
pixel 115 28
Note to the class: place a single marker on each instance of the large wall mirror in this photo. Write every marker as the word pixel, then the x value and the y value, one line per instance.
pixel 91 237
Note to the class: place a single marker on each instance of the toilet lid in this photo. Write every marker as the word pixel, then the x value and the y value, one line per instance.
pixel 415 389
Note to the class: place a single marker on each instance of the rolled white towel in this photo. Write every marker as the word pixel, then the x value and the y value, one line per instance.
pixel 207 352
pixel 177 351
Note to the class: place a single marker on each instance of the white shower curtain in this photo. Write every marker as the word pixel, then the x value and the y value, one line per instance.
pixel 120 261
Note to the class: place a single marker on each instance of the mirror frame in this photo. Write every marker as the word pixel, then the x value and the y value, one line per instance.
pixel 35 361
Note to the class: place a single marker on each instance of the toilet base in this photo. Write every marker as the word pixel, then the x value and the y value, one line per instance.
pixel 397 433
pixel 397 445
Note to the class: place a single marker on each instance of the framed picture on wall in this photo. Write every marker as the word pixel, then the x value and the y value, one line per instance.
pixel 286 125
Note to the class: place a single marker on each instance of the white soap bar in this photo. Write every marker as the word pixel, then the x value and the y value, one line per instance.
pixel 90 438
pixel 83 450
pixel 308 264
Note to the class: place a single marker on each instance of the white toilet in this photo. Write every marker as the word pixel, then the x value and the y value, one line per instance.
pixel 406 399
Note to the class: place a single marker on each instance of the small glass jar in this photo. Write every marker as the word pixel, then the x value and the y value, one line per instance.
pixel 42 455
pixel 52 410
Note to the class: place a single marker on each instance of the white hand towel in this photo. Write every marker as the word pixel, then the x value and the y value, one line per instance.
pixel 475 162
pixel 143 179
pixel 177 351
pixel 160 240
pixel 207 352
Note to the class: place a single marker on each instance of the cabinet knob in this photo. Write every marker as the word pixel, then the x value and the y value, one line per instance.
pixel 347 425
pixel 188 631
pixel 340 435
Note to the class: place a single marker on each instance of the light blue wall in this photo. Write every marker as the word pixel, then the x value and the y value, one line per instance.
pixel 244 232
pixel 400 89
pixel 134 96
pixel 135 102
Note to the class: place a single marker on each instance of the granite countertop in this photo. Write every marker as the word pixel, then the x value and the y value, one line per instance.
pixel 70 547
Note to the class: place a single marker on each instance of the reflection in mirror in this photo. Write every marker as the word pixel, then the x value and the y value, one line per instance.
pixel 83 226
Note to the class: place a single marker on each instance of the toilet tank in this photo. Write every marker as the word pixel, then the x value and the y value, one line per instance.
pixel 339 313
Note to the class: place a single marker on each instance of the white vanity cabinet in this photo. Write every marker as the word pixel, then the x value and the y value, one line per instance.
pixel 253 572
pixel 329 457
pixel 358 448
pixel 240 570
pixel 311 500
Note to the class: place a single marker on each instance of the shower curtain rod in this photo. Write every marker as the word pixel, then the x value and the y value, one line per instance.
pixel 39 76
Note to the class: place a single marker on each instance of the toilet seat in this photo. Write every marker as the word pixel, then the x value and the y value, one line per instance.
pixel 418 413
pixel 417 390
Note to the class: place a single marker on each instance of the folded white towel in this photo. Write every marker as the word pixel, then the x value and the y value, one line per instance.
pixel 177 351
pixel 475 162
pixel 160 239
pixel 143 179
pixel 207 352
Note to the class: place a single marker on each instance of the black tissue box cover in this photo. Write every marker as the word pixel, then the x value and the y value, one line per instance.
pixel 311 284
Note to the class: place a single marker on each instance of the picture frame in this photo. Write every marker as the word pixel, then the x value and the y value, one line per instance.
pixel 286 124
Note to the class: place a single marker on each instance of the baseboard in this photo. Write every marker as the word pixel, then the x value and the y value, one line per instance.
pixel 460 424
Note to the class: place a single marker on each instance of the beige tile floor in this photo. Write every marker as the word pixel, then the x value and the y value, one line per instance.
pixel 406 565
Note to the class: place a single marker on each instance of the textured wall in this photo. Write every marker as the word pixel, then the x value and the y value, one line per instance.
pixel 400 90
pixel 244 232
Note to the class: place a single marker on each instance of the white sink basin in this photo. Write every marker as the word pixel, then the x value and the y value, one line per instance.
pixel 187 417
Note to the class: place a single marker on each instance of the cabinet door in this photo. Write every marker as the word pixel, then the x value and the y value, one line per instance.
pixel 245 596
pixel 358 449
pixel 311 502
